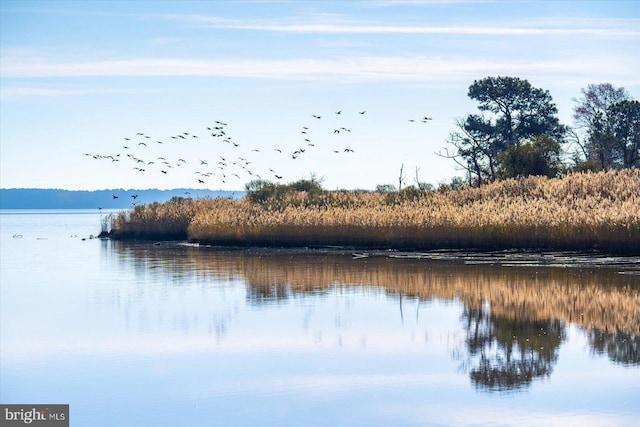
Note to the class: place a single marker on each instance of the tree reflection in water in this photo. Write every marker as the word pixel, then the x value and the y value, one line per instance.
pixel 514 318
pixel 507 354
pixel 621 347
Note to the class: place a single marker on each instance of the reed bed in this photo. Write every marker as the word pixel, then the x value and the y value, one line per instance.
pixel 580 211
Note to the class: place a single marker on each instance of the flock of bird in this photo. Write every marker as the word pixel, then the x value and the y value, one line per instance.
pixel 233 160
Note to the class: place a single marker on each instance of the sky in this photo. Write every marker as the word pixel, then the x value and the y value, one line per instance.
pixel 214 94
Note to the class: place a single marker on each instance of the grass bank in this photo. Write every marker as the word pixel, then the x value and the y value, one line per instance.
pixel 582 211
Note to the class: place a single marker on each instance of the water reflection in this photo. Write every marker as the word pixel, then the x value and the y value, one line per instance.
pixel 507 353
pixel 621 347
pixel 515 319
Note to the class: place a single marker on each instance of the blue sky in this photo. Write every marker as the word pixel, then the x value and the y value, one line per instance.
pixel 77 78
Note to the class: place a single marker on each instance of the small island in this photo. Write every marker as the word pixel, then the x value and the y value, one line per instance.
pixel 580 211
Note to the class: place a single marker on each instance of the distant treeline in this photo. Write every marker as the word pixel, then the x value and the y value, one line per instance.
pixel 34 198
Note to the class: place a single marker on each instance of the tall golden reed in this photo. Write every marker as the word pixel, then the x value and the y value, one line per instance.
pixel 579 211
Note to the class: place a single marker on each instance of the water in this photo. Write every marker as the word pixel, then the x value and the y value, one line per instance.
pixel 133 334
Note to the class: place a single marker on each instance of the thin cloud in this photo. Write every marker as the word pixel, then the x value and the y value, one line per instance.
pixel 415 68
pixel 623 28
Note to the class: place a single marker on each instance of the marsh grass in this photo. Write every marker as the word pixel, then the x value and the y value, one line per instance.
pixel 581 211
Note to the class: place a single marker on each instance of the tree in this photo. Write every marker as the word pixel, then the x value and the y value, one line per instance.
pixel 593 132
pixel 475 150
pixel 596 99
pixel 624 120
pixel 521 111
pixel 538 156
pixel 512 113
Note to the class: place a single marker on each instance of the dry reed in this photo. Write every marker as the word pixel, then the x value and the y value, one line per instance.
pixel 579 211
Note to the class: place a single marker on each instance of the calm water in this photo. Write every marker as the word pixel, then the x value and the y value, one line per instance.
pixel 167 335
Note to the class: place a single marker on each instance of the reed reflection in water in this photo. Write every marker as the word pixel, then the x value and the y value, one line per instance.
pixel 514 319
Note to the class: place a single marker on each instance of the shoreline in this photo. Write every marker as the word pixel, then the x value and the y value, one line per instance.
pixel 581 259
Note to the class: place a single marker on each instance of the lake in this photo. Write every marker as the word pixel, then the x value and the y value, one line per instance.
pixel 164 334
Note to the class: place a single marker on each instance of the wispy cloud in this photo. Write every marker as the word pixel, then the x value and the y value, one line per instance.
pixel 620 28
pixel 366 68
